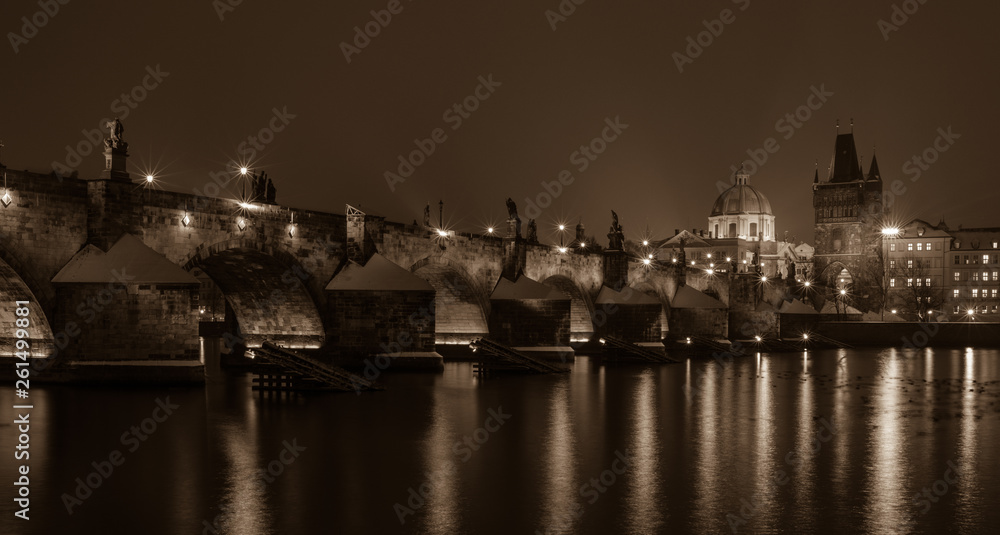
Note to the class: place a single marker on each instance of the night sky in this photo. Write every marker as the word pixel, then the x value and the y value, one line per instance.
pixel 556 89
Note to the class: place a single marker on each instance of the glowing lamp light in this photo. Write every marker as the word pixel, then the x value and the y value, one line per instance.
pixel 646 261
pixel 805 336
pixel 583 244
pixel 843 292
pixel 970 312
pixel 243 170
pixel 710 255
pixel 442 232
pixel 291 231
pixel 562 250
pixel 930 312
pixel 6 199
pixel 689 339
pixel 744 261
pixel 757 337
pixel 710 271
pixel 674 260
pixel 603 341
pixel 728 259
pixel 201 310
pixel 149 179
pixel 245 205
pixel 807 284
pixel 645 243
pixel 489 230
pixel 893 311
pixel 650 255
pixel 692 262
pixel 890 231
pixel 763 278
pixel 562 227
pixel 242 224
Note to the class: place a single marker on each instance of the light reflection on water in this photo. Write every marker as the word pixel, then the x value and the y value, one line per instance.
pixel 705 439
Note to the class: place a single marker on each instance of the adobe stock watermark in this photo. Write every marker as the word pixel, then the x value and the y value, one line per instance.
pixel 223 7
pixel 900 15
pixel 132 438
pixel 780 478
pixel 463 449
pixel 247 151
pixel 121 107
pixel 713 30
pixel 363 35
pixel 562 12
pixel 788 124
pixel 928 496
pixel 592 490
pixel 29 28
pixel 581 158
pixel 265 476
pixel 914 168
pixel 454 116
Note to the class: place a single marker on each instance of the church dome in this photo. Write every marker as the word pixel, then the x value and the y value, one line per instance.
pixel 742 198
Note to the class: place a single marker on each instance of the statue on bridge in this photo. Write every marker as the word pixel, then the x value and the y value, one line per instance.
pixel 532 232
pixel 116 130
pixel 512 209
pixel 427 215
pixel 513 221
pixel 616 237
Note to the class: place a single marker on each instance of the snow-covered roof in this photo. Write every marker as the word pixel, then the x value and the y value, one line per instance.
pixel 796 307
pixel 631 297
pixel 128 260
pixel 688 297
pixel 379 273
pixel 525 288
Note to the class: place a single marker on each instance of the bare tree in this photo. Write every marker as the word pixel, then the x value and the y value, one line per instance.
pixel 912 289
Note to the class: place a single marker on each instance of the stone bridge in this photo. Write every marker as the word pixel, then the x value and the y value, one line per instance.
pixel 118 270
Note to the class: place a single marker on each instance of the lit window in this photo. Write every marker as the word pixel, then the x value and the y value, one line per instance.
pixel 909 282
pixel 975 276
pixel 957 276
pixel 966 258
pixel 955 295
pixel 920 247
pixel 986 259
pixel 995 243
pixel 892 246
pixel 986 276
pixel 919 283
pixel 909 264
pixel 928 246
pixel 993 293
pixel 927 283
pixel 892 264
pixel 975 293
pixel 909 247
pixel 892 283
pixel 995 273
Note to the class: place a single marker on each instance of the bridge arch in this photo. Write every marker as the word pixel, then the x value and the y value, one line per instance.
pixel 268 295
pixel 461 306
pixel 14 288
pixel 581 307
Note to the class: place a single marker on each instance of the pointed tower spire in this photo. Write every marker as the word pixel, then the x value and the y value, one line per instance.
pixel 873 173
pixel 816 175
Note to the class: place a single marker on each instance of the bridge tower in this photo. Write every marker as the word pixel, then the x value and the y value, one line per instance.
pixel 848 210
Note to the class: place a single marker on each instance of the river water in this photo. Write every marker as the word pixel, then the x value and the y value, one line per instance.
pixel 856 441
